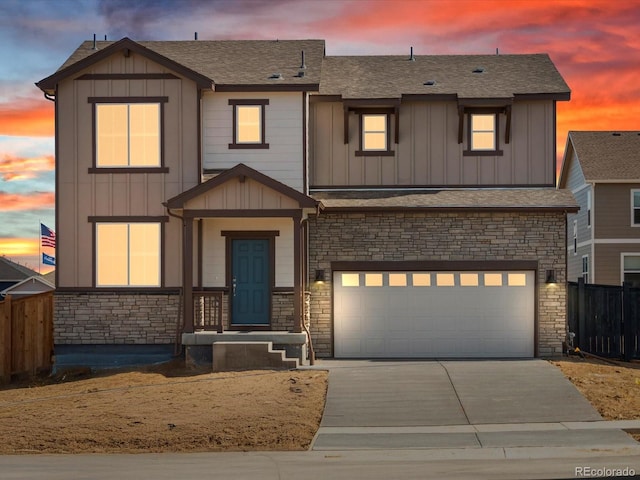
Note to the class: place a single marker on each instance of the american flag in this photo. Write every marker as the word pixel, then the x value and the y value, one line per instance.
pixel 48 236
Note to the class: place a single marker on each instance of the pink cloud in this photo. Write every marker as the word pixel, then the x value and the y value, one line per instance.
pixel 20 168
pixel 26 201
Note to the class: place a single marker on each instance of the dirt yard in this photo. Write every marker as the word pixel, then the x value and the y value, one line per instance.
pixel 168 409
pixel 613 389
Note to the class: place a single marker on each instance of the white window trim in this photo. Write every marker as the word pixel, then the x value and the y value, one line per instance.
pixel 622 256
pixel 589 210
pixel 587 272
pixel 633 192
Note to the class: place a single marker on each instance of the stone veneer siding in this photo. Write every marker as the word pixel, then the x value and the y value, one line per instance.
pixel 121 318
pixel 115 318
pixel 423 236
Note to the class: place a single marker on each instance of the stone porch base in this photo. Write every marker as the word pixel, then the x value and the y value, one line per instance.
pixel 199 351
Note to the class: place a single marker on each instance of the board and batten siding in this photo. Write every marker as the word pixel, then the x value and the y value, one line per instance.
pixel 428 152
pixel 214 248
pixel 283 160
pixel 82 194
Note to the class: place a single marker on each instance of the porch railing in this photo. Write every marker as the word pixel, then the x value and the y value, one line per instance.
pixel 207 311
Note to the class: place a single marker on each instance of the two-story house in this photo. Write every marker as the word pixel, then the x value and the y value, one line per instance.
pixel 602 169
pixel 391 206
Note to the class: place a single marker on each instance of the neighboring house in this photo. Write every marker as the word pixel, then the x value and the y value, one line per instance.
pixel 399 206
pixel 12 273
pixel 602 169
pixel 28 286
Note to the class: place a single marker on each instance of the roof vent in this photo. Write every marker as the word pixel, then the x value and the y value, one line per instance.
pixel 95 46
pixel 275 76
pixel 412 58
pixel 429 83
pixel 478 70
pixel 300 74
pixel 616 134
pixel 302 64
pixel 195 35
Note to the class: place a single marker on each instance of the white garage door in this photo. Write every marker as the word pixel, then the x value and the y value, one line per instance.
pixel 434 314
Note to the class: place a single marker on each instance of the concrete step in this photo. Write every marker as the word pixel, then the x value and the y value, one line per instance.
pixel 230 356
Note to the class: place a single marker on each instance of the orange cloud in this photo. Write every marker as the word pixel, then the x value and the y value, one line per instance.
pixel 10 247
pixel 27 201
pixel 20 168
pixel 27 117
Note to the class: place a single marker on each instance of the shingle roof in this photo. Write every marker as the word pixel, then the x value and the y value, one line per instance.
pixel 502 76
pixel 233 62
pixel 252 62
pixel 13 271
pixel 608 155
pixel 496 199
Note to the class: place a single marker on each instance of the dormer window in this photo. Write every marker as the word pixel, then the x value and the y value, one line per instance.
pixel 375 138
pixel 374 132
pixel 483 127
pixel 483 132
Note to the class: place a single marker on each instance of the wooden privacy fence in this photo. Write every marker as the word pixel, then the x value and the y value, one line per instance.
pixel 605 319
pixel 26 335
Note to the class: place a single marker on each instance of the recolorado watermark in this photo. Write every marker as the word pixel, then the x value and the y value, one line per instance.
pixel 600 472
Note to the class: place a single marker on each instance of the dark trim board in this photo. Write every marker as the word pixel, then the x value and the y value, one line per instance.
pixel 128 76
pixel 435 265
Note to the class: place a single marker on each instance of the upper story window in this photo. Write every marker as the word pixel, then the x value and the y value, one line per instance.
pixel 128 134
pixel 248 123
pixel 128 254
pixel 631 269
pixel 585 268
pixel 483 127
pixel 374 134
pixel 589 209
pixel 483 132
pixel 635 208
pixel 575 237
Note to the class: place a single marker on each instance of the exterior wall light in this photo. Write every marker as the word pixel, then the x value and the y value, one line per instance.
pixel 551 277
pixel 319 276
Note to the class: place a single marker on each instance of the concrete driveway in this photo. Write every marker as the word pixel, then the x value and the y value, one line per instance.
pixel 375 404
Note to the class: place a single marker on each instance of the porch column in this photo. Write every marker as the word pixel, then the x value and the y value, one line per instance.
pixel 187 273
pixel 297 273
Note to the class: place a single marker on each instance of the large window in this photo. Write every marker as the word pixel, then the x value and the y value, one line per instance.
pixel 128 254
pixel 128 135
pixel 635 208
pixel 248 123
pixel 631 269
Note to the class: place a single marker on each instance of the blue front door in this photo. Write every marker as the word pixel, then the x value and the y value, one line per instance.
pixel 250 282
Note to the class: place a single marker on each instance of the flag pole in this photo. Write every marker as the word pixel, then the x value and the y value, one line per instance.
pixel 39 245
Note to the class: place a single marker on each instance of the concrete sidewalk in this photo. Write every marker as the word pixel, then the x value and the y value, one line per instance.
pixel 493 404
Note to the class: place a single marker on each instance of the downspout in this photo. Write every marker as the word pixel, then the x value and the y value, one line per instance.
pixel 48 96
pixel 177 348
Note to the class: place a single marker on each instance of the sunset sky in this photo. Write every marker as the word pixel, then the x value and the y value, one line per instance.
pixel 595 45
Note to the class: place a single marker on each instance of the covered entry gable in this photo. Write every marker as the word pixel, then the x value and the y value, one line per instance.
pixel 242 188
pixel 243 193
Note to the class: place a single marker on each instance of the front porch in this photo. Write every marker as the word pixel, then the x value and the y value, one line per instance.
pixel 244 270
